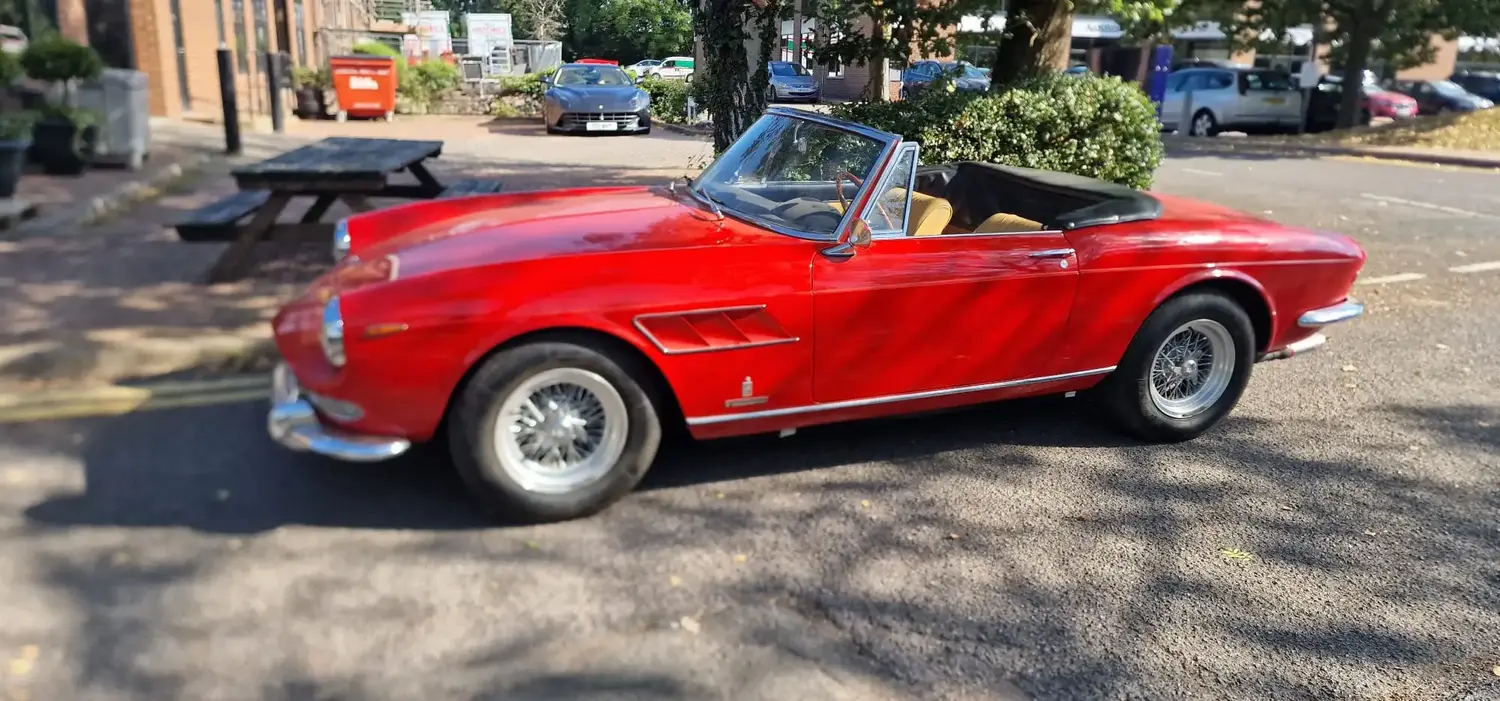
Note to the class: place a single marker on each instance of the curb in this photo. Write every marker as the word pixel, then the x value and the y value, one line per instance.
pixel 101 206
pixel 114 400
pixel 1293 149
pixel 679 128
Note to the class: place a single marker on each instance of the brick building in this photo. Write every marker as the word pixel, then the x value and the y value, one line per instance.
pixel 174 42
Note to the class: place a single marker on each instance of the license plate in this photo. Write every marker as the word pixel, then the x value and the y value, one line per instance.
pixel 601 126
pixel 1275 100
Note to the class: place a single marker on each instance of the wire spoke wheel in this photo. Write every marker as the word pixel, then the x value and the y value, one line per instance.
pixel 561 430
pixel 1192 369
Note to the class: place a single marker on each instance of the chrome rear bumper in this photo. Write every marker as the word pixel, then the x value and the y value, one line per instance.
pixel 1313 319
pixel 293 423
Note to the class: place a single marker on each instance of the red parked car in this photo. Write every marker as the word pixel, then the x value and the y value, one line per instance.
pixel 815 273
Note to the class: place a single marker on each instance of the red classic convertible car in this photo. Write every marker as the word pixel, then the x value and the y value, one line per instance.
pixel 816 272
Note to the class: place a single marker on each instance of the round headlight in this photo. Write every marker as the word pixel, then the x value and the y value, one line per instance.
pixel 340 240
pixel 331 334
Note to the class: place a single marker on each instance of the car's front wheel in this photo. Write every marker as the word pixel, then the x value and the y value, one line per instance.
pixel 551 431
pixel 1185 369
pixel 1203 124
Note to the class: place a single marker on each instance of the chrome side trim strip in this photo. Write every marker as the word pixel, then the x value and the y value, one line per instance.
pixel 887 399
pixel 636 322
pixel 1343 311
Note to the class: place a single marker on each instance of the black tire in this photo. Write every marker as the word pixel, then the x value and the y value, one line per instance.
pixel 475 413
pixel 1127 393
pixel 1213 124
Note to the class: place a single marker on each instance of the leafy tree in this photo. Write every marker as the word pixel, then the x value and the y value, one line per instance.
pixel 640 29
pixel 732 92
pixel 906 28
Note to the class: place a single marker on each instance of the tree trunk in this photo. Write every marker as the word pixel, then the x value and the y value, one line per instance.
pixel 1362 32
pixel 1038 35
pixel 878 89
pixel 731 98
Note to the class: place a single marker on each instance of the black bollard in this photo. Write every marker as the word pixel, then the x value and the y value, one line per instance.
pixel 231 105
pixel 274 77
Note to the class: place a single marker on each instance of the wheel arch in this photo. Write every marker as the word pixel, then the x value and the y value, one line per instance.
pixel 1240 288
pixel 653 380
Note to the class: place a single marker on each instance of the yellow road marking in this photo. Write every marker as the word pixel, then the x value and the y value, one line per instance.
pixel 125 403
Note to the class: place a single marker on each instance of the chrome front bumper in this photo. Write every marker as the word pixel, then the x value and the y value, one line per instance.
pixel 1317 318
pixel 293 423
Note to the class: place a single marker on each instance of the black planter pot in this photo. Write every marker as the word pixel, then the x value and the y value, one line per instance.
pixel 62 148
pixel 307 103
pixel 12 159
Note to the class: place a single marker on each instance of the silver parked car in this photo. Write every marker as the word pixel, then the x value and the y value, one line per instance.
pixel 1206 101
pixel 791 81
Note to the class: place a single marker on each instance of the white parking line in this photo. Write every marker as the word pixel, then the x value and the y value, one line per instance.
pixel 1425 205
pixel 1476 267
pixel 1398 277
pixel 1195 171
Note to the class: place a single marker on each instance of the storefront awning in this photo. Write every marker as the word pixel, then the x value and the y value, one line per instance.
pixel 1083 27
pixel 1202 31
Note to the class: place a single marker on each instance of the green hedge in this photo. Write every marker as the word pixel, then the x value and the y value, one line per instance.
pixel 1101 127
pixel 668 99
pixel 529 85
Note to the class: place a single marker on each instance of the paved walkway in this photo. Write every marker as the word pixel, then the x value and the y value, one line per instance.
pixel 122 298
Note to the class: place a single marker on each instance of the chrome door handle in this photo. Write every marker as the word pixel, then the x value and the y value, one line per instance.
pixel 1053 253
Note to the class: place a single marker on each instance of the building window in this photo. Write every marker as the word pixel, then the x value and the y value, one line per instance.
pixel 262 35
pixel 301 29
pixel 241 43
pixel 219 13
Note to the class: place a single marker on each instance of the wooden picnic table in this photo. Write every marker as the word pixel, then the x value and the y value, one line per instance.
pixel 351 170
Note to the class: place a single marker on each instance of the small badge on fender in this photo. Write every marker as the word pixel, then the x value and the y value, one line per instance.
pixel 747 395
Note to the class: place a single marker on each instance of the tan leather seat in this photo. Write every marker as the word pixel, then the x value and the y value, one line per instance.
pixel 929 215
pixel 1005 223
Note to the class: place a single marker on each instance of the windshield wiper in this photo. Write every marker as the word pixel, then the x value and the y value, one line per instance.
pixel 700 193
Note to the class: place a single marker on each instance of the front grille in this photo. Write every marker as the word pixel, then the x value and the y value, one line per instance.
pixel 626 120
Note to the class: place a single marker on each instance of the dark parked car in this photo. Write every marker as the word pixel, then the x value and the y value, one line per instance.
pixel 1438 96
pixel 591 97
pixel 1485 84
pixel 1323 110
pixel 965 76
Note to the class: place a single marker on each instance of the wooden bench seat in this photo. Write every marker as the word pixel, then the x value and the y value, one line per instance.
pixel 216 222
pixel 475 186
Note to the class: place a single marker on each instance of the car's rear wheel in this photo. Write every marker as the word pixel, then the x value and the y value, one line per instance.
pixel 551 431
pixel 1203 124
pixel 1185 369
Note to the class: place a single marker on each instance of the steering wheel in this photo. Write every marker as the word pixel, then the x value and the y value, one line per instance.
pixel 838 189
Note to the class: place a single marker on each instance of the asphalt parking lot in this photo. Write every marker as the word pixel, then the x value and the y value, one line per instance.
pixel 1337 538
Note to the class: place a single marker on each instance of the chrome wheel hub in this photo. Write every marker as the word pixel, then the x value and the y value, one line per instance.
pixel 560 430
pixel 1192 369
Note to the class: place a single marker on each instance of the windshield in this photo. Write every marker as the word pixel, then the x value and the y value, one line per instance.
pixel 791 173
pixel 1448 88
pixel 787 69
pixel 591 75
pixel 965 70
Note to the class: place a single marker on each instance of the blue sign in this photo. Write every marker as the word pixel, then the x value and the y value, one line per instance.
pixel 1156 81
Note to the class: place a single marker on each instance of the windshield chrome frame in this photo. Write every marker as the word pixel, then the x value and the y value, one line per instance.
pixel 856 204
pixel 886 180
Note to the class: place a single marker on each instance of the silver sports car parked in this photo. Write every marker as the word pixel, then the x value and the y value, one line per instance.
pixel 586 97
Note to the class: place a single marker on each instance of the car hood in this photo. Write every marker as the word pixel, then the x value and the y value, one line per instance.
pixel 437 235
pixel 598 97
pixel 794 80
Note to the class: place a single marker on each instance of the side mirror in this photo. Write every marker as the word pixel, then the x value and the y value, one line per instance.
pixel 858 239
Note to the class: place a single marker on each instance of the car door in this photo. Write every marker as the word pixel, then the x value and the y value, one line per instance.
pixel 1172 101
pixel 915 314
pixel 1214 90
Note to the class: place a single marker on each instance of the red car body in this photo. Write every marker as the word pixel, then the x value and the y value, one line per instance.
pixel 1389 104
pixel 750 330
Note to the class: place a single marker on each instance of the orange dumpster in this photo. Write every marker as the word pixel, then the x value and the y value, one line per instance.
pixel 365 86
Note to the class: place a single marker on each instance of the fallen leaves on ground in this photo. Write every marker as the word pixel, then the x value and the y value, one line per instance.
pixel 1235 554
pixel 1459 131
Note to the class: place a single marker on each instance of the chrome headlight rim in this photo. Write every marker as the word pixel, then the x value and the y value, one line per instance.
pixel 341 241
pixel 331 333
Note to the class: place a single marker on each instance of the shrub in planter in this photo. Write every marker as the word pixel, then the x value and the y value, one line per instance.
pixel 1098 126
pixel 310 84
pixel 15 138
pixel 668 99
pixel 430 79
pixel 65 137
